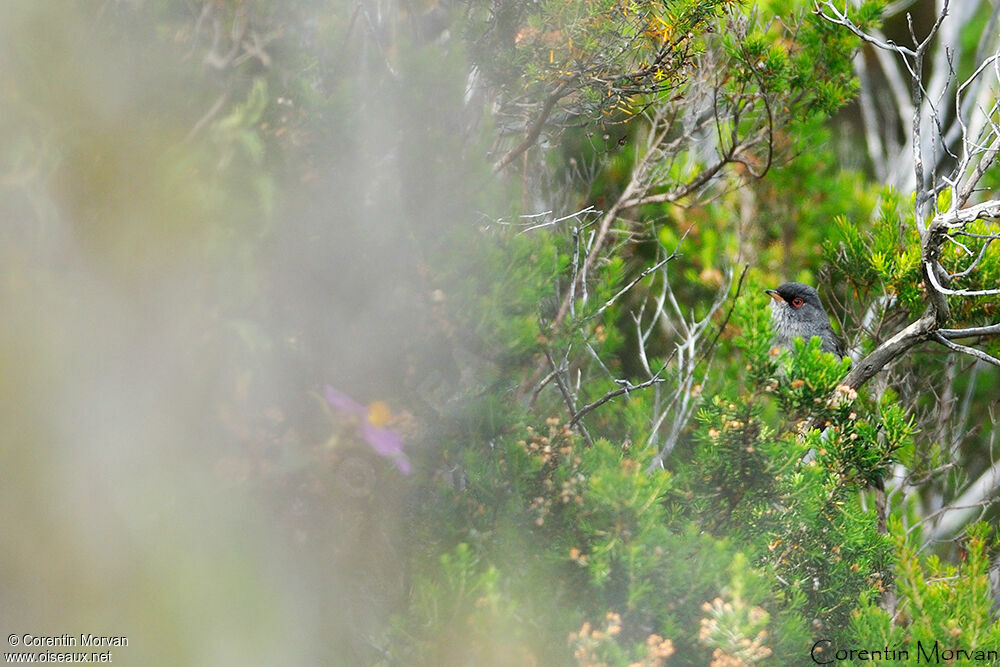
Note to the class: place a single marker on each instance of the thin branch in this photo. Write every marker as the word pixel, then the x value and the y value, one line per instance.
pixel 208 116
pixel 964 349
pixel 973 235
pixel 985 162
pixel 551 223
pixel 538 388
pixel 930 273
pixel 975 263
pixel 567 395
pixel 972 332
pixel 602 232
pixel 840 18
pixel 987 210
pixel 536 128
pixel 687 365
pixel 628 388
pixel 914 334
pixel 633 283
pixel 683 191
pixel 725 321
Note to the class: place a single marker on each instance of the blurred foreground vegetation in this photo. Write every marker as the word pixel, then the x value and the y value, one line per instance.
pixel 247 247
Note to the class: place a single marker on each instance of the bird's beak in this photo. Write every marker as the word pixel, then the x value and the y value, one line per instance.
pixel 774 295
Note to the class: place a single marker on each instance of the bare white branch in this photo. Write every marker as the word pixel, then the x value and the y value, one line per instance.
pixel 964 349
pixel 931 271
pixel 971 332
pixel 839 17
pixel 987 210
pixel 688 355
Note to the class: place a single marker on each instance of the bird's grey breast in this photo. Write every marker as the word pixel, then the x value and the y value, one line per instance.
pixel 804 323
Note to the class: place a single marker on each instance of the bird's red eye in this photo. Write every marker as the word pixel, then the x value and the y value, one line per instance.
pixel 797 302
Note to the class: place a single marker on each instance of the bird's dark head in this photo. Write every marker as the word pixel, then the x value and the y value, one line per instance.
pixel 796 312
pixel 795 295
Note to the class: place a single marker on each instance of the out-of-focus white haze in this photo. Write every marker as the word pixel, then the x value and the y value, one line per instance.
pixel 173 297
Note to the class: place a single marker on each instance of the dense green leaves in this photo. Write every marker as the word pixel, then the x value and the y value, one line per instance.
pixel 944 607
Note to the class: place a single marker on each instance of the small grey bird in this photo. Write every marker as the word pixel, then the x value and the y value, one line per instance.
pixel 797 313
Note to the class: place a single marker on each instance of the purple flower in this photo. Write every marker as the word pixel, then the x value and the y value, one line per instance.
pixel 385 441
